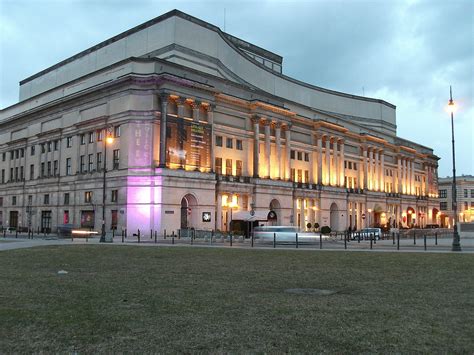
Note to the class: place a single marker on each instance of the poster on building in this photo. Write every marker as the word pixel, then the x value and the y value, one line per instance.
pixel 140 148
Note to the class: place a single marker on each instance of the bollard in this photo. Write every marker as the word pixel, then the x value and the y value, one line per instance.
pixel 358 237
pixel 274 239
pixel 296 240
pixel 436 238
pixel 252 238
pixel 123 235
pixel 179 234
pixel 371 240
pixel 172 237
pixel 398 241
pixel 320 241
pixel 393 237
pixel 138 235
pixel 16 233
pixel 164 234
pixel 156 235
pixel 87 238
pixel 345 242
pixel 414 238
pixel 212 236
pixel 194 234
pixel 192 239
pixel 424 240
pixel 113 233
pixel 230 239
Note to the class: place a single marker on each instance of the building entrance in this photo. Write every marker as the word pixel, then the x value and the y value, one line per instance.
pixel 13 219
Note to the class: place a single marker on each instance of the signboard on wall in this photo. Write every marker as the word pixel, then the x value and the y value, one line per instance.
pixel 206 216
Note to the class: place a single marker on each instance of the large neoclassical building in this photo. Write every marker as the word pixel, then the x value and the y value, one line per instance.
pixel 204 128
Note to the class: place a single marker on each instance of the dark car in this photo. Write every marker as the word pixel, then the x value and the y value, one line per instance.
pixel 65 230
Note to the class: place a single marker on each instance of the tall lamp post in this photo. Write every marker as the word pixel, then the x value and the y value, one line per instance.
pixel 108 140
pixel 456 241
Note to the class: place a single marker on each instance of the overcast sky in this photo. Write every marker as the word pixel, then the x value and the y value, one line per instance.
pixel 406 52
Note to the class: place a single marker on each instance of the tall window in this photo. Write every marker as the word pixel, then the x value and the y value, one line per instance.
pixel 99 161
pixel 100 135
pixel 218 141
pixel 42 170
pixel 46 199
pixel 238 167
pixel 90 162
pixel 465 193
pixel 113 219
pixel 292 154
pixel 3 176
pixel 306 156
pixel 116 159
pixel 43 149
pixel 32 150
pixel 229 143
pixel 88 196
pixel 22 173
pixel 292 175
pixel 228 166
pixel 1 201
pixel 4 156
pixel 91 137
pixel 218 165
pixel 30 200
pixel 443 205
pixel 83 139
pixel 116 131
pixel 68 166
pixel 50 146
pixel 442 193
pixel 306 176
pixel 69 142
pixel 56 145
pixel 66 198
pixel 300 175
pixel 49 168
pixel 56 168
pixel 14 200
pixel 114 196
pixel 238 144
pixel 82 163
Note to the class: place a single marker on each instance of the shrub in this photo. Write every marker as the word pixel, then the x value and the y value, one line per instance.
pixel 326 230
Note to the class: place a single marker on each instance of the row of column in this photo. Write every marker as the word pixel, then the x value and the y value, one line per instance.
pixel 406 176
pixel 329 168
pixel 374 168
pixel 305 211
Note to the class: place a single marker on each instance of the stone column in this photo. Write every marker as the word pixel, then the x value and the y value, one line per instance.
pixel 319 141
pixel 164 112
pixel 303 213
pixel 278 149
pixel 354 215
pixel 295 211
pixel 341 164
pixel 328 161
pixel 267 124
pixel 219 212
pixel 371 171
pixel 288 150
pixel 412 177
pixel 210 120
pixel 256 144
pixel 311 162
pixel 311 212
pixel 377 170
pixel 335 152
pixel 366 168
pixel 196 107
pixel 399 175
pixel 382 167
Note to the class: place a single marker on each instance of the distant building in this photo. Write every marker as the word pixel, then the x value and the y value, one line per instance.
pixel 465 200
pixel 206 130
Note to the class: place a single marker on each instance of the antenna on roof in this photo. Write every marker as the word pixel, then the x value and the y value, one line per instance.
pixel 224 19
pixel 363 91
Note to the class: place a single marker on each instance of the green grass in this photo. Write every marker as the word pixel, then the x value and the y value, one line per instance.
pixel 138 299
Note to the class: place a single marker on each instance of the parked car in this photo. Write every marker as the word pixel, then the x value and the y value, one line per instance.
pixel 283 235
pixel 65 229
pixel 367 233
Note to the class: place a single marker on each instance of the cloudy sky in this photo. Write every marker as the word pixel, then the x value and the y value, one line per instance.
pixel 407 52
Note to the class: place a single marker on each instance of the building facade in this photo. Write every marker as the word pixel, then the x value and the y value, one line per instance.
pixel 204 128
pixel 465 200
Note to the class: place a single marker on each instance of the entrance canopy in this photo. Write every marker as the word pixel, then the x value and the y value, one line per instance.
pixel 247 217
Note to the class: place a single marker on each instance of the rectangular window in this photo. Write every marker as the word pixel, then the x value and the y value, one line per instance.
pixel 88 196
pixel 472 193
pixel 443 205
pixel 116 159
pixel 350 165
pixel 11 175
pixel 56 168
pixel 218 141
pixel 22 153
pixel 306 156
pixel 465 192
pixel 442 193
pixel 83 139
pixel 82 163
pixel 114 196
pixel 306 176
pixel 43 148
pixel 12 155
pixel 3 176
pixel 17 154
pixel 300 155
pixel 292 175
pixel 56 145
pixel 238 167
pixel 42 170
pixel 229 143
pixel 66 217
pixel 238 144
pixel 16 174
pixel 300 175
pixel 100 135
pixel 46 199
pixel 68 166
pixel 91 137
pixel 1 201
pixel 49 168
pixel 466 206
pixel 66 199
pixel 99 161
pixel 22 173
pixel 50 146
pixel 4 156
pixel 117 131
pixel 355 166
pixel 218 165
pixel 32 150
pixel 292 154
pixel 14 200
pixel 228 166
pixel 90 163
pixel 69 142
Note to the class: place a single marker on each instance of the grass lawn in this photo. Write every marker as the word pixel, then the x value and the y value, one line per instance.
pixel 140 299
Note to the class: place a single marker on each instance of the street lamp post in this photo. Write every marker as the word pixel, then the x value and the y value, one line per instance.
pixel 456 242
pixel 108 140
